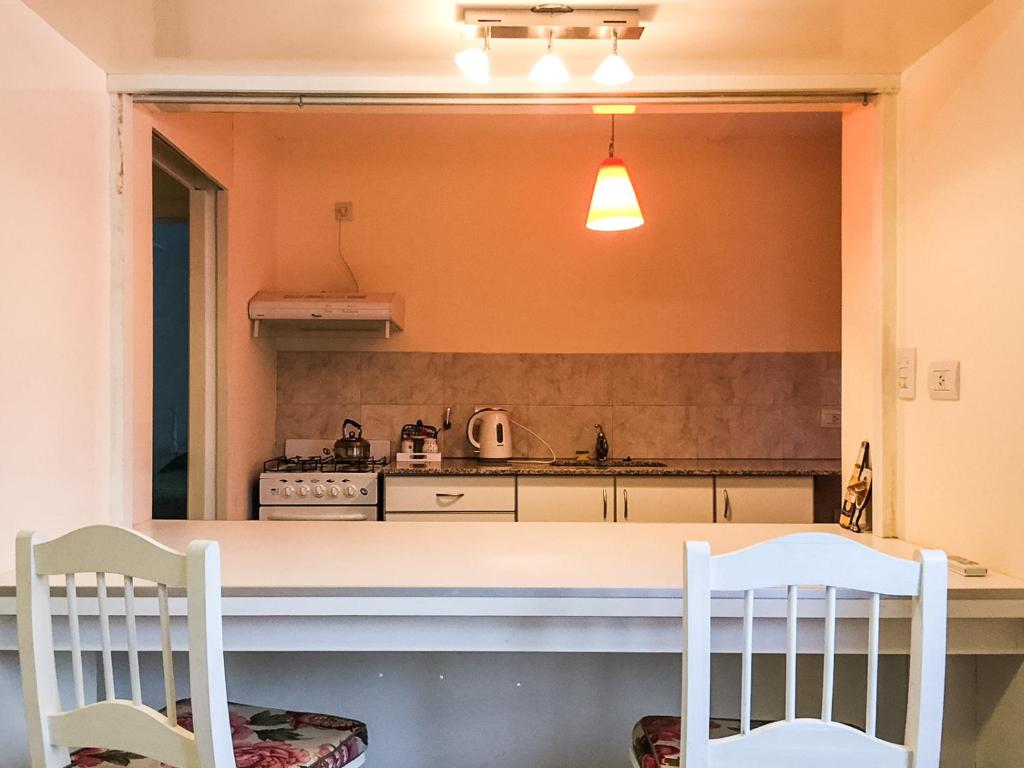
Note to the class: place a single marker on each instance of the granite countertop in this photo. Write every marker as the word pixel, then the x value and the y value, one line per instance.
pixel 673 467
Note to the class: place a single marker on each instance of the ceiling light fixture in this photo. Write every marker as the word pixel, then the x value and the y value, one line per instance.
pixel 474 63
pixel 614 206
pixel 613 70
pixel 549 69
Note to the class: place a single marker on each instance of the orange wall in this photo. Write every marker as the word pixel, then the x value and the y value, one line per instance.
pixel 478 221
pixel 54 315
pixel 236 156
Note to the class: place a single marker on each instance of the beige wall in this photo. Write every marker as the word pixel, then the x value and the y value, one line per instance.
pixel 961 271
pixel 54 244
pixel 478 221
pixel 237 157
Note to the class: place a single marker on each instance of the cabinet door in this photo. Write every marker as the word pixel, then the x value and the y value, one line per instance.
pixel 664 499
pixel 566 499
pixel 764 499
pixel 443 493
pixel 450 517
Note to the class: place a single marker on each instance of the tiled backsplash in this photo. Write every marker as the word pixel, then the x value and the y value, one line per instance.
pixel 746 405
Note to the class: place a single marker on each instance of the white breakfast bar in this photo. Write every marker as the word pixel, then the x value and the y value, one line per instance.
pixel 546 639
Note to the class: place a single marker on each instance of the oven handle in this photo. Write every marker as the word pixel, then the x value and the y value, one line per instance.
pixel 289 514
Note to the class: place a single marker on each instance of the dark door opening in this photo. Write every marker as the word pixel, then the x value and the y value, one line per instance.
pixel 170 346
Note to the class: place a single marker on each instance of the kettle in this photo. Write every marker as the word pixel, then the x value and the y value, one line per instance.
pixel 495 443
pixel 351 446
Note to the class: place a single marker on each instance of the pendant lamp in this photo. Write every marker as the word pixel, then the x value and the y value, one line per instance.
pixel 614 206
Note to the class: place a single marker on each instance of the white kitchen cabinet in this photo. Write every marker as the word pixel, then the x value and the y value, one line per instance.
pixel 764 499
pixel 451 517
pixel 566 499
pixel 448 494
pixel 664 499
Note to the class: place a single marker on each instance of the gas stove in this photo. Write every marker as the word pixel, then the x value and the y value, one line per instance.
pixel 308 483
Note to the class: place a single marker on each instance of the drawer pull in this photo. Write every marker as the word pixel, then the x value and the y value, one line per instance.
pixel 604 493
pixel 728 505
pixel 625 504
pixel 449 495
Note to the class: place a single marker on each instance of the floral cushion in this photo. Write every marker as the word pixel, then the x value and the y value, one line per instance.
pixel 656 738
pixel 263 738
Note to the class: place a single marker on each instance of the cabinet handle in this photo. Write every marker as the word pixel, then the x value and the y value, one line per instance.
pixel 449 495
pixel 625 504
pixel 604 494
pixel 728 505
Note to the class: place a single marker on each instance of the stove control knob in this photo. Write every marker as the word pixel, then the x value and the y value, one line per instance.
pixel 350 490
pixel 288 491
pixel 319 491
pixel 335 490
pixel 303 490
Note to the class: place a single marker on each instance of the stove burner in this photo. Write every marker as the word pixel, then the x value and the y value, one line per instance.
pixel 321 464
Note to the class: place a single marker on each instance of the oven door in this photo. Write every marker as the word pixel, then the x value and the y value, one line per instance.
pixel 352 514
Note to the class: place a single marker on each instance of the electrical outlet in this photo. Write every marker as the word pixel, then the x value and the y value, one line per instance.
pixel 944 380
pixel 343 211
pixel 831 418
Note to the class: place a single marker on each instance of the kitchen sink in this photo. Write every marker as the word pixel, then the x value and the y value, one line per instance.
pixel 607 463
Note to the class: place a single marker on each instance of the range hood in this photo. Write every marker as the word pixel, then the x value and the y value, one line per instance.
pixel 311 313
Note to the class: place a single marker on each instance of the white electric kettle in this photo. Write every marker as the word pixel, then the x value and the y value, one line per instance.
pixel 495 443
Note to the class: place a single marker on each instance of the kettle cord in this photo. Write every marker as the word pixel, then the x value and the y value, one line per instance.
pixel 554 456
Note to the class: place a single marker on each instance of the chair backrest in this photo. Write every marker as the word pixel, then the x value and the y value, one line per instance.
pixel 828 561
pixel 112 723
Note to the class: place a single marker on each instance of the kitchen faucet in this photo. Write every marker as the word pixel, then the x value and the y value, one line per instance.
pixel 601 447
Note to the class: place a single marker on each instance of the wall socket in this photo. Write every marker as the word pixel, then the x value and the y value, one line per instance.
pixel 832 418
pixel 944 380
pixel 343 211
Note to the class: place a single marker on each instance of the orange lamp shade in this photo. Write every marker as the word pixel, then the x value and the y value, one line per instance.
pixel 614 206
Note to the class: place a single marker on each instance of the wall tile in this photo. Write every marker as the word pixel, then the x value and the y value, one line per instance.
pixel 570 379
pixel 485 379
pixel 740 431
pixel 312 421
pixel 655 380
pixel 654 431
pixel 320 377
pixel 568 428
pixel 803 437
pixel 397 378
pixel 385 422
pixel 744 405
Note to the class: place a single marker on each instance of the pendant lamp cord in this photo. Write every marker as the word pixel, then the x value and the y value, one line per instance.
pixel 611 144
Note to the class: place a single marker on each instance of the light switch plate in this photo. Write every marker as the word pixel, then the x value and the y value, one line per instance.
pixel 906 373
pixel 944 380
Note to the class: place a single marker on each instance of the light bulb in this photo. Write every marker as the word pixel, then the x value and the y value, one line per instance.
pixel 613 70
pixel 475 64
pixel 614 206
pixel 549 70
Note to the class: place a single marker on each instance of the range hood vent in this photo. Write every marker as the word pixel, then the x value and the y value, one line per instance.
pixel 307 313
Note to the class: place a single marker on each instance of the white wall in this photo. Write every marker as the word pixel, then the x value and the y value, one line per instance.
pixel 54 245
pixel 961 275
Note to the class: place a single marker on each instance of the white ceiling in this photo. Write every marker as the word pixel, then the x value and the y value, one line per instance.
pixel 415 39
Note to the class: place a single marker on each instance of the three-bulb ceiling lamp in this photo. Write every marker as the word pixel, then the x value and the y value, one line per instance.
pixel 613 206
pixel 549 21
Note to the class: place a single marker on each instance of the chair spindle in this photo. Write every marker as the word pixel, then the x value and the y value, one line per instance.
pixel 108 664
pixel 76 640
pixel 133 639
pixel 871 717
pixel 791 652
pixel 748 657
pixel 170 694
pixel 828 674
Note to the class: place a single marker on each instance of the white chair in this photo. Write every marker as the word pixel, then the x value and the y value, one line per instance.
pixel 811 560
pixel 205 731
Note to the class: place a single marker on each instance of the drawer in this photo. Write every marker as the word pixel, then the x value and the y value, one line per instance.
pixel 449 494
pixel 450 517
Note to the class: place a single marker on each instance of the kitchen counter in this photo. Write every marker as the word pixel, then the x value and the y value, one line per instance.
pixel 673 467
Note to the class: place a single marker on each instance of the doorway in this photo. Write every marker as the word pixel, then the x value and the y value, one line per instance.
pixel 184 415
